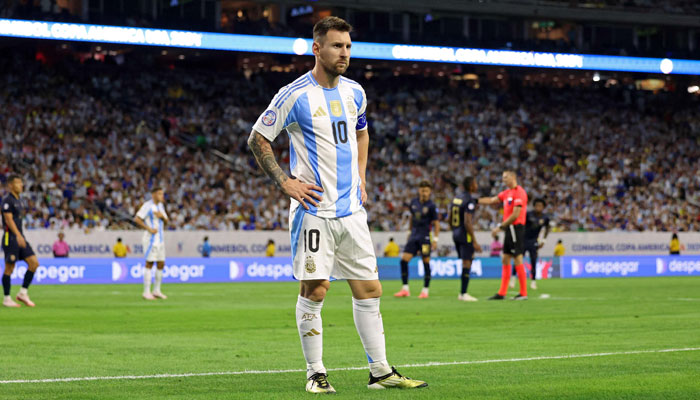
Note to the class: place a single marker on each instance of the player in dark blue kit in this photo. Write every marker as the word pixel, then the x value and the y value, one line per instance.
pixel 14 245
pixel 536 220
pixel 423 215
pixel 461 213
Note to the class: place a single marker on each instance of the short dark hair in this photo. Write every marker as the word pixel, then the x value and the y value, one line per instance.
pixel 425 183
pixel 467 182
pixel 156 188
pixel 119 239
pixel 540 200
pixel 206 238
pixel 12 178
pixel 559 241
pixel 330 23
pixel 391 239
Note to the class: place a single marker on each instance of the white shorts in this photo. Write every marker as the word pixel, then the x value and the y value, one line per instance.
pixel 154 252
pixel 332 247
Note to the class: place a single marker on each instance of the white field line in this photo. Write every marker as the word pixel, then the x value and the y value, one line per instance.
pixel 284 371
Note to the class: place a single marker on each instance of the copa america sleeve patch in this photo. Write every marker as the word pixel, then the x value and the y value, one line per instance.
pixel 269 118
pixel 361 122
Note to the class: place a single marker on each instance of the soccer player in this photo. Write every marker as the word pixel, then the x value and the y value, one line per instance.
pixel 535 221
pixel 324 115
pixel 423 214
pixel 14 244
pixel 461 213
pixel 514 201
pixel 152 218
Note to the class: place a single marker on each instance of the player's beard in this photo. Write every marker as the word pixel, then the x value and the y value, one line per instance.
pixel 335 69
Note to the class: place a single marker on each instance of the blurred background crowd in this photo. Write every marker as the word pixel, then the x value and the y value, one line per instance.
pixel 91 138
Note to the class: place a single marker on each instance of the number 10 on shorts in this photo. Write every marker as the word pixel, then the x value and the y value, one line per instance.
pixel 311 240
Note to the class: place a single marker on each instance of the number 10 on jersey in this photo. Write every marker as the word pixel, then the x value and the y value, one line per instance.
pixel 340 131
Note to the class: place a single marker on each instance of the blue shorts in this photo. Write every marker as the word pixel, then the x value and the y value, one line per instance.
pixel 13 252
pixel 418 245
pixel 465 251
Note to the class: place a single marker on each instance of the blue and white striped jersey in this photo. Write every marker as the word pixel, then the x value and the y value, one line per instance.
pixel 322 125
pixel 146 214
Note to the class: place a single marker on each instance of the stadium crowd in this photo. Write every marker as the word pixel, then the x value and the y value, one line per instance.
pixel 91 139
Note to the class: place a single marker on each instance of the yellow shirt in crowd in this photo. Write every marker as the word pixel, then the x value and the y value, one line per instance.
pixel 559 250
pixel 119 250
pixel 675 246
pixel 270 251
pixel 391 249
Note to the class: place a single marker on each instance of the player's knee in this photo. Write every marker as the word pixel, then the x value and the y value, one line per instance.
pixel 9 268
pixel 32 264
pixel 314 292
pixel 373 292
pixel 406 257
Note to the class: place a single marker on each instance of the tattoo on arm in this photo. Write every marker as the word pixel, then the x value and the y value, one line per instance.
pixel 265 157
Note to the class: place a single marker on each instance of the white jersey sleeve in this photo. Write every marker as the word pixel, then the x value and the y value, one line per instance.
pixel 276 117
pixel 144 210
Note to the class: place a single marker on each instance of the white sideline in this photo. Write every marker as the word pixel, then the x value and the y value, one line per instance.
pixel 283 371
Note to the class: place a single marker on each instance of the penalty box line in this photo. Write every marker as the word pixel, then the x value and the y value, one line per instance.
pixel 284 371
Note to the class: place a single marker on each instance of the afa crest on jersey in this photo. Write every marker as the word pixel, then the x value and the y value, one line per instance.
pixel 310 265
pixel 350 106
pixel 336 108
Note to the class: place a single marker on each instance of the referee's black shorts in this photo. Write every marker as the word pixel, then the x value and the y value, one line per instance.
pixel 514 243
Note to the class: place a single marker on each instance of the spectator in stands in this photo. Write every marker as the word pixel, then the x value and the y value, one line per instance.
pixel 629 153
pixel 206 247
pixel 675 246
pixel 559 249
pixel 119 250
pixel 270 250
pixel 496 247
pixel 391 249
pixel 60 247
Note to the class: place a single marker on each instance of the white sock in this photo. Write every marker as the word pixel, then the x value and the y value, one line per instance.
pixel 425 290
pixel 159 279
pixel 311 334
pixel 8 298
pixel 147 280
pixel 23 290
pixel 368 321
pixel 404 287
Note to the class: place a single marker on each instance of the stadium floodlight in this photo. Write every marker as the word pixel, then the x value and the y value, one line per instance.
pixel 362 50
pixel 596 77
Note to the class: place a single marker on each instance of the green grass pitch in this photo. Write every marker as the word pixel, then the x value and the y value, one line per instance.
pixel 107 330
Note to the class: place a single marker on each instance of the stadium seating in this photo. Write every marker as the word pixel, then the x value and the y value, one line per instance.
pixel 92 138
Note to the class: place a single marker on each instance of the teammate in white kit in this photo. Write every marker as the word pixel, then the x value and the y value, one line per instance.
pixel 152 217
pixel 324 115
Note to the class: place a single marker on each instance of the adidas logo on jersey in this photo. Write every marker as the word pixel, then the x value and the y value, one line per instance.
pixel 320 112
